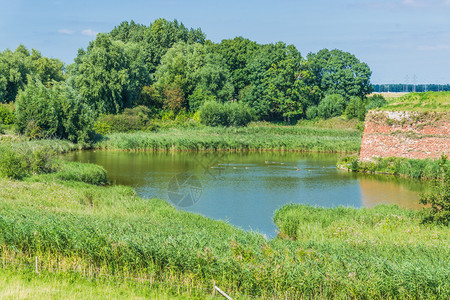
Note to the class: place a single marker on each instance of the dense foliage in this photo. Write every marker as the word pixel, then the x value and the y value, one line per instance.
pixel 439 199
pixel 56 111
pixel 230 114
pixel 16 65
pixel 171 69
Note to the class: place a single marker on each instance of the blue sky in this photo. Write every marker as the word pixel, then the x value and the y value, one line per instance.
pixel 397 39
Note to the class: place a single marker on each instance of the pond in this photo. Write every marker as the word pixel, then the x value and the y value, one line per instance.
pixel 245 188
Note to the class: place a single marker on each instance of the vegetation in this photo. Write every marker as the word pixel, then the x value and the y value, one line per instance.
pixel 406 88
pixel 167 67
pixel 53 112
pixel 254 137
pixel 414 168
pixel 16 66
pixel 230 114
pixel 383 252
pixel 439 200
pixel 79 230
pixel 423 102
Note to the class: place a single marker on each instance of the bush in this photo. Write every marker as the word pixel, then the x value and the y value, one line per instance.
pixel 132 119
pixel 331 106
pixel 238 114
pixel 439 200
pixel 376 101
pixel 356 108
pixel 53 112
pixel 17 162
pixel 312 112
pixel 213 113
pixel 6 114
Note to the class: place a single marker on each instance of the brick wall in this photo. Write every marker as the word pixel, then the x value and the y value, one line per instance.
pixel 405 134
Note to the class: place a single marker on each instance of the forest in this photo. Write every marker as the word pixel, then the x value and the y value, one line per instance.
pixel 135 74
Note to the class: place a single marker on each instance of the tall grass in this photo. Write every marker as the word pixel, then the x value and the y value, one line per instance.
pixel 283 138
pixel 384 252
pixel 414 168
pixel 78 228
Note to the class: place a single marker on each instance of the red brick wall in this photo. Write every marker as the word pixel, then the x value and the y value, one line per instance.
pixel 405 134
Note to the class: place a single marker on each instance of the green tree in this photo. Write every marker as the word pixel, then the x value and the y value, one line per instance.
pixel 276 92
pixel 110 75
pixel 55 111
pixel 237 53
pixel 16 65
pixel 194 71
pixel 339 72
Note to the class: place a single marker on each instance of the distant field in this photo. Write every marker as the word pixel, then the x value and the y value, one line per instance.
pixel 429 101
pixel 389 95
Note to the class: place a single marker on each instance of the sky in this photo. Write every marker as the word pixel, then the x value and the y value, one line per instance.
pixel 402 41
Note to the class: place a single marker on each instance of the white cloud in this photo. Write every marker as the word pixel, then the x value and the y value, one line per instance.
pixel 89 32
pixel 66 31
pixel 446 2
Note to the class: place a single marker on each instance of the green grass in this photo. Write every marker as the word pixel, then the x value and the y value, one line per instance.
pixel 422 102
pixel 384 252
pixel 414 168
pixel 73 171
pixel 253 138
pixel 80 230
pixel 26 284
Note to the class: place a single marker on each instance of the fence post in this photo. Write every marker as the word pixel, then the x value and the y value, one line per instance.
pixel 37 270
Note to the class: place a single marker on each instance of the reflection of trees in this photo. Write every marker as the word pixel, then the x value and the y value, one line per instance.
pixel 394 191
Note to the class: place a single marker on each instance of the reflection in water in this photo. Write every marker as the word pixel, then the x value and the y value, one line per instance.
pixel 245 188
pixel 398 191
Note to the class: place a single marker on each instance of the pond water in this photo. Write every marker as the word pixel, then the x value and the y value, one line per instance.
pixel 246 188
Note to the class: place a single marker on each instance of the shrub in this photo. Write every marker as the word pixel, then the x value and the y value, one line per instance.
pixel 238 114
pixel 53 112
pixel 356 108
pixel 376 101
pixel 439 200
pixel 132 119
pixel 312 112
pixel 331 106
pixel 213 113
pixel 18 162
pixel 6 114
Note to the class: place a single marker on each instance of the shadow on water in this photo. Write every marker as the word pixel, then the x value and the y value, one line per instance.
pixel 245 188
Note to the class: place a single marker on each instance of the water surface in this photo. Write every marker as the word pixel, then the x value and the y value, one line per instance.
pixel 246 188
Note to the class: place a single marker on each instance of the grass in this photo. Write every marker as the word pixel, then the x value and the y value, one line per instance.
pixel 80 231
pixel 421 102
pixel 384 252
pixel 25 284
pixel 414 168
pixel 252 138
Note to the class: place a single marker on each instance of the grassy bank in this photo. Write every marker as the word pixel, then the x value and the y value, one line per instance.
pixel 384 252
pixel 257 137
pixel 422 102
pixel 83 232
pixel 414 168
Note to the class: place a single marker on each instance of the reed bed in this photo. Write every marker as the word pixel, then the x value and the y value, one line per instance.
pixel 253 138
pixel 414 168
pixel 76 228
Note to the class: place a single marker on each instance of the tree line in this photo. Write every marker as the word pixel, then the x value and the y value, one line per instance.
pixel 406 88
pixel 171 68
